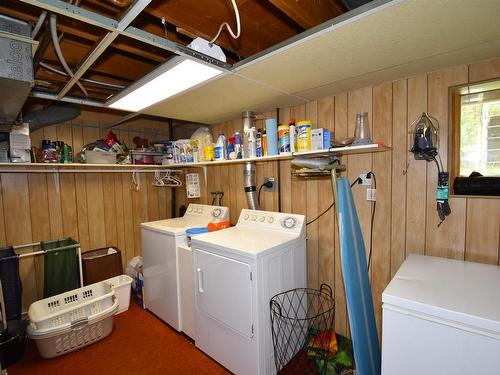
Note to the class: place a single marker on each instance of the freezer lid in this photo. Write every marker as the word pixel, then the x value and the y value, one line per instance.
pixel 463 292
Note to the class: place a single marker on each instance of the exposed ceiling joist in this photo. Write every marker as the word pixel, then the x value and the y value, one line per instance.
pixel 309 13
pixel 84 34
pixel 203 17
pixel 104 43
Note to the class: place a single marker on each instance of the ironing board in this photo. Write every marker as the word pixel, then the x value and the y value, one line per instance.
pixel 357 285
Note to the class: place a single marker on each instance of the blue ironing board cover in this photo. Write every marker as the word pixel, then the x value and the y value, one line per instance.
pixel 357 284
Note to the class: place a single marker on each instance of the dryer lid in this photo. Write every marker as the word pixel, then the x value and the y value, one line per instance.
pixel 248 242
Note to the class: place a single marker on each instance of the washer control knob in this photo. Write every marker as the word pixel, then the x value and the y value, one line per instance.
pixel 200 210
pixel 254 217
pixel 270 219
pixel 261 218
pixel 190 209
pixel 289 222
pixel 216 212
pixel 246 216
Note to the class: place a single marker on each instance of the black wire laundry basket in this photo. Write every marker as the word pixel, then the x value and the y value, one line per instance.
pixel 302 330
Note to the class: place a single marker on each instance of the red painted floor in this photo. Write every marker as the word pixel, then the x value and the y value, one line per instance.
pixel 139 344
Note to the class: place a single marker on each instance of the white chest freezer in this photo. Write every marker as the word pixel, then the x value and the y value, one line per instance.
pixel 441 316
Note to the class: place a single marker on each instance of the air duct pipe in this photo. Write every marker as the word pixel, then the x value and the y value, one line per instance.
pixel 249 183
pixel 249 169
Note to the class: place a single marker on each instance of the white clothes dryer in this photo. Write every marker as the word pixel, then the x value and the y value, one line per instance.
pixel 237 271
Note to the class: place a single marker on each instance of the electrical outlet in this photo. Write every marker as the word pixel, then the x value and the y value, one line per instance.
pixel 371 194
pixel 270 179
pixel 365 181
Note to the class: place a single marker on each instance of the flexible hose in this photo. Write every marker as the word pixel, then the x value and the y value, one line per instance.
pixel 60 72
pixel 249 184
pixel 238 25
pixel 60 56
pixel 39 24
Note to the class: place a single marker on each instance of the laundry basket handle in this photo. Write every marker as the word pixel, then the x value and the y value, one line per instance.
pixel 79 324
pixel 325 288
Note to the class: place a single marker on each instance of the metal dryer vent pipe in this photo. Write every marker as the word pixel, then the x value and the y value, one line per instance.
pixel 249 183
pixel 248 117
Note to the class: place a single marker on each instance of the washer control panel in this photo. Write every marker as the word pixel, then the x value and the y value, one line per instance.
pixel 272 220
pixel 209 212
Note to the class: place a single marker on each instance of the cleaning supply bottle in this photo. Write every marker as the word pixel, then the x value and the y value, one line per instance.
pixel 264 143
pixel 238 147
pixel 258 143
pixel 220 148
pixel 252 147
pixel 293 135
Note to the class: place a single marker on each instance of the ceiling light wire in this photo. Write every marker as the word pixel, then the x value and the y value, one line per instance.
pixel 238 25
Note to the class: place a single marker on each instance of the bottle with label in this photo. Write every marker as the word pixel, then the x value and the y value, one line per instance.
pixel 252 147
pixel 238 147
pixel 220 148
pixel 258 143
pixel 293 135
pixel 231 154
pixel 264 143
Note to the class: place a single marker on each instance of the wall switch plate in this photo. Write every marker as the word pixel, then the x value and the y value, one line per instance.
pixel 270 179
pixel 365 181
pixel 371 195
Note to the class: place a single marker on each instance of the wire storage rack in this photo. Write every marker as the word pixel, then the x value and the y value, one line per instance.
pixel 302 323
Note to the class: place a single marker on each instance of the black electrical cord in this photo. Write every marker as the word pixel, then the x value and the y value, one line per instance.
pixel 321 214
pixel 268 184
pixel 371 174
pixel 356 181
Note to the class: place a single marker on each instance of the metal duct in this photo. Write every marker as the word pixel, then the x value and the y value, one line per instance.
pixel 250 187
pixel 54 114
pixel 248 117
pixel 16 68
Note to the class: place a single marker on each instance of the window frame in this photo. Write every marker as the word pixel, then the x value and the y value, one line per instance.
pixel 455 96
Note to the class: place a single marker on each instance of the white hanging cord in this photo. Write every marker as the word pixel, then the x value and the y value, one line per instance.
pixel 164 23
pixel 238 25
pixel 135 181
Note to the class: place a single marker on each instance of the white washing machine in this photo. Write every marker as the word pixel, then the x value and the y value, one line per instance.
pixel 237 271
pixel 441 316
pixel 160 240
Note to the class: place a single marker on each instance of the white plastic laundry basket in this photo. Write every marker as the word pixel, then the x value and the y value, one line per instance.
pixel 60 311
pixel 72 320
pixel 121 285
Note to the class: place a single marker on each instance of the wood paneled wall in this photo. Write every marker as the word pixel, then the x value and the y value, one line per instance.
pixel 96 209
pixel 405 219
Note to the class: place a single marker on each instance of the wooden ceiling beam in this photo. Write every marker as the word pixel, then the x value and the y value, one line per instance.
pixel 260 28
pixel 91 37
pixel 309 13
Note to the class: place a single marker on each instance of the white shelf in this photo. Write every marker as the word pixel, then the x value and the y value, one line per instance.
pixel 336 150
pixel 96 168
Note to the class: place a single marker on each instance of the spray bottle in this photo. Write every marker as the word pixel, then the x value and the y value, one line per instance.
pixel 248 117
pixel 251 143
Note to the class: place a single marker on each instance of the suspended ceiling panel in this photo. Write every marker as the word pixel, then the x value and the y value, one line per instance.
pixel 400 33
pixel 462 56
pixel 390 41
pixel 222 99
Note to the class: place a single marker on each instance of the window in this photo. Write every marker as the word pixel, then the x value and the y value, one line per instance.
pixel 477 120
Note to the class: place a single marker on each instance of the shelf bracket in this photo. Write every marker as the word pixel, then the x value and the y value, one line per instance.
pixel 57 180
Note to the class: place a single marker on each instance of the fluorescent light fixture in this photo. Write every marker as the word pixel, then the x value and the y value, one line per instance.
pixel 173 77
